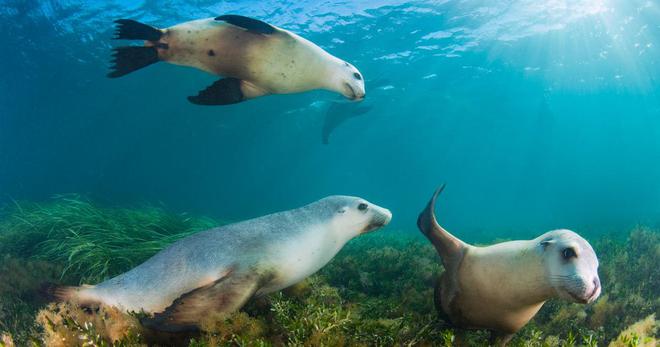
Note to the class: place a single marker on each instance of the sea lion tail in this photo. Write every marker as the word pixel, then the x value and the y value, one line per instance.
pixel 130 58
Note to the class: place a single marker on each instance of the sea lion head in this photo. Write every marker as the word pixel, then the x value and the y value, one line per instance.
pixel 353 215
pixel 349 82
pixel 571 266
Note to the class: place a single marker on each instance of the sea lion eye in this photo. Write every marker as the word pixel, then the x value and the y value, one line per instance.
pixel 568 253
pixel 357 76
pixel 362 207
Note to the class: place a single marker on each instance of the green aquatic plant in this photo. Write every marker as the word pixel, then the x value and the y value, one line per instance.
pixel 640 334
pixel 378 291
pixel 589 341
pixel 20 285
pixel 570 339
pixel 239 329
pixel 92 242
pixel 319 319
pixel 447 338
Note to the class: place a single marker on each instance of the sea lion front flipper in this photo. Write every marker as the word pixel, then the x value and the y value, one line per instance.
pixel 224 296
pixel 224 91
pixel 247 23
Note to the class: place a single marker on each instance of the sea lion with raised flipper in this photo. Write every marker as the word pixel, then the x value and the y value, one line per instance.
pixel 255 58
pixel 502 286
pixel 218 270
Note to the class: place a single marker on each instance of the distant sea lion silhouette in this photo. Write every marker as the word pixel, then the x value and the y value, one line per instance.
pixel 218 270
pixel 501 287
pixel 255 58
pixel 340 111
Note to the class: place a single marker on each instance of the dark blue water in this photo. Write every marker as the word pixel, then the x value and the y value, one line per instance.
pixel 537 115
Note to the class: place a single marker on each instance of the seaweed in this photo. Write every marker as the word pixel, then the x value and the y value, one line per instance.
pixel 93 243
pixel 65 324
pixel 641 334
pixel 378 291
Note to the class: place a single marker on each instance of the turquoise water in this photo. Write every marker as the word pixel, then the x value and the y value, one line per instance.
pixel 537 115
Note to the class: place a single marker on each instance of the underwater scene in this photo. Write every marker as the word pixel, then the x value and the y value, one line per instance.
pixel 330 173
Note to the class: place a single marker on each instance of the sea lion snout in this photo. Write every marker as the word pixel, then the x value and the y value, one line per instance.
pixel 381 217
pixel 353 93
pixel 349 82
pixel 595 292
pixel 585 292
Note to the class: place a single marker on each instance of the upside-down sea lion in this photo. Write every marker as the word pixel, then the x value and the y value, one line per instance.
pixel 254 57
pixel 501 287
pixel 218 270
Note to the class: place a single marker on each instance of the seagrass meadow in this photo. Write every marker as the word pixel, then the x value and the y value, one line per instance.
pixel 376 292
pixel 129 125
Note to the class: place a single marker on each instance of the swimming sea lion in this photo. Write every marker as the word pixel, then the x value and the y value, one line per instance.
pixel 340 111
pixel 218 270
pixel 502 286
pixel 255 58
pixel 337 114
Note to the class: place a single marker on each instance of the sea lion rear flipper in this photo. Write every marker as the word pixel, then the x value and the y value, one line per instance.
pixel 249 24
pixel 223 92
pixel 128 29
pixel 449 247
pixel 130 58
pixel 224 296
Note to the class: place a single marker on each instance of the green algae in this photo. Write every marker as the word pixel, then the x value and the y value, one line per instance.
pixel 376 292
pixel 93 243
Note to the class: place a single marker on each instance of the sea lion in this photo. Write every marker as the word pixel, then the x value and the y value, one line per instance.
pixel 337 114
pixel 502 286
pixel 254 57
pixel 340 111
pixel 218 270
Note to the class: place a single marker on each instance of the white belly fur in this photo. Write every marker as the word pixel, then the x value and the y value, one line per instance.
pixel 302 257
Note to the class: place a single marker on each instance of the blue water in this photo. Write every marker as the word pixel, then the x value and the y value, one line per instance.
pixel 537 114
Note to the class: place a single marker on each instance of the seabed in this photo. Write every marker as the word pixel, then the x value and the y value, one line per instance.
pixel 377 292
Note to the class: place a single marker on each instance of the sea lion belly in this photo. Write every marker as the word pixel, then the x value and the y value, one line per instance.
pixel 298 259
